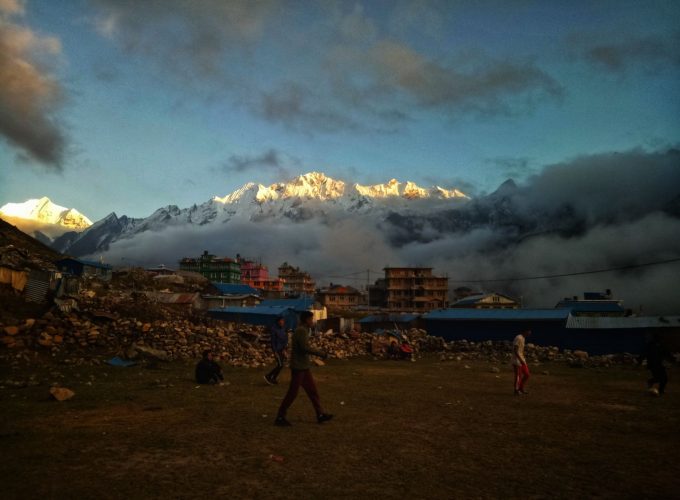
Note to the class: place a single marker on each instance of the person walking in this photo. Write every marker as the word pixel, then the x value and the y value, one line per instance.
pixel 301 374
pixel 656 353
pixel 519 362
pixel 279 342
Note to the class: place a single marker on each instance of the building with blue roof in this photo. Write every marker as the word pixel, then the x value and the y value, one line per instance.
pixel 593 304
pixel 85 268
pixel 256 315
pixel 235 289
pixel 388 321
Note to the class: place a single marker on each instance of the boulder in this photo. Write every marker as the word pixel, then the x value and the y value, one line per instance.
pixel 61 393
pixel 12 330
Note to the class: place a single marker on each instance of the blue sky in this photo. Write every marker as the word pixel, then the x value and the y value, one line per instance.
pixel 128 106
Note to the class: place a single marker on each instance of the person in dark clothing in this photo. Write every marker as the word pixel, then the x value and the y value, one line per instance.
pixel 655 353
pixel 279 342
pixel 301 375
pixel 207 371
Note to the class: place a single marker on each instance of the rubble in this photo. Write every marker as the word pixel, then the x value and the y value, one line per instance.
pixel 61 393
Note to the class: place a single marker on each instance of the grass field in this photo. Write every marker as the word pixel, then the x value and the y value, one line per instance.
pixel 402 430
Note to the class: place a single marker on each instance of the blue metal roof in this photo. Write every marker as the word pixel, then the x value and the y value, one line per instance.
pixel 256 315
pixel 235 289
pixel 499 314
pixel 391 318
pixel 299 304
pixel 90 263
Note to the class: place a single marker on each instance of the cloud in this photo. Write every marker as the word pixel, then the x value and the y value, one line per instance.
pixel 271 159
pixel 512 167
pixel 606 187
pixel 485 89
pixel 191 39
pixel 340 73
pixel 30 96
pixel 299 108
pixel 653 52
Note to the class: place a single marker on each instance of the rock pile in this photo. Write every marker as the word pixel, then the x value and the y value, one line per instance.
pixel 128 324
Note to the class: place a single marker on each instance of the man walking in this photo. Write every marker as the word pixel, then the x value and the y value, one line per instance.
pixel 656 353
pixel 519 363
pixel 301 374
pixel 279 342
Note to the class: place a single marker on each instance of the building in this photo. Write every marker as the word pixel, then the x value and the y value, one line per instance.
pixel 491 300
pixel 295 281
pixel 85 268
pixel 256 275
pixel 231 294
pixel 388 321
pixel 411 289
pixel 593 304
pixel 553 327
pixel 217 269
pixel 339 297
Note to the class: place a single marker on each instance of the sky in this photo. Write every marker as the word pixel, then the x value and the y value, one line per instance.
pixel 127 106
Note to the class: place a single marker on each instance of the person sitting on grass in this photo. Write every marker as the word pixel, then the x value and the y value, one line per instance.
pixel 207 371
pixel 301 375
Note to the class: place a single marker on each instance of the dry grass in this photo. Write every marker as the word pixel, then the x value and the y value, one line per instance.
pixel 405 430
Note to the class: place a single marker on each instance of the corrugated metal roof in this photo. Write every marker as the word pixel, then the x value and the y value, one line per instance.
pixel 616 323
pixel 235 289
pixel 499 314
pixel 263 310
pixel 392 318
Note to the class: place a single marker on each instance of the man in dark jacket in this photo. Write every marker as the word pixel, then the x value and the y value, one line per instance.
pixel 301 374
pixel 207 371
pixel 279 342
pixel 656 353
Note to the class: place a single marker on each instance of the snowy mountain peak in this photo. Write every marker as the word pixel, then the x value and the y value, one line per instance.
pixel 42 210
pixel 319 186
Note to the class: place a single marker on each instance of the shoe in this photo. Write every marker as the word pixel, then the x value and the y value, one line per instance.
pixel 517 393
pixel 282 422
pixel 324 417
pixel 522 391
pixel 268 380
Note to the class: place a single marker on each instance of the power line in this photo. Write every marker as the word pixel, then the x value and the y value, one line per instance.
pixel 578 273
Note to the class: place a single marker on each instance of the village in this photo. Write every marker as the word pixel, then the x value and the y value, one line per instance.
pixel 112 306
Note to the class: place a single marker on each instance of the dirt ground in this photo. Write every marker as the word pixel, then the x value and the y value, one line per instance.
pixel 428 429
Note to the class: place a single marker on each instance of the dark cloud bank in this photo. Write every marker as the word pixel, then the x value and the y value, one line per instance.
pixel 593 212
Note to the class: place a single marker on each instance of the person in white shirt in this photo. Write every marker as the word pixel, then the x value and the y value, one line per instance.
pixel 519 362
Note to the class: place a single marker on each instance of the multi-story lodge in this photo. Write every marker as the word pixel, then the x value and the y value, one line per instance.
pixel 410 289
pixel 217 269
pixel 256 275
pixel 339 297
pixel 296 282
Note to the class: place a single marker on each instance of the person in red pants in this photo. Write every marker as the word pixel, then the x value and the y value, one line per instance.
pixel 301 375
pixel 519 363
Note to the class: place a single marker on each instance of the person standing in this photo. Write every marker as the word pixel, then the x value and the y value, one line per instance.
pixel 279 342
pixel 301 374
pixel 656 353
pixel 519 362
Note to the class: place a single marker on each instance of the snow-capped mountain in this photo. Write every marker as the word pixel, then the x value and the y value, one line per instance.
pixel 44 211
pixel 43 219
pixel 312 195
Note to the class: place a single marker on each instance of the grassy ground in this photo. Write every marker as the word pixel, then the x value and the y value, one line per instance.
pixel 402 430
